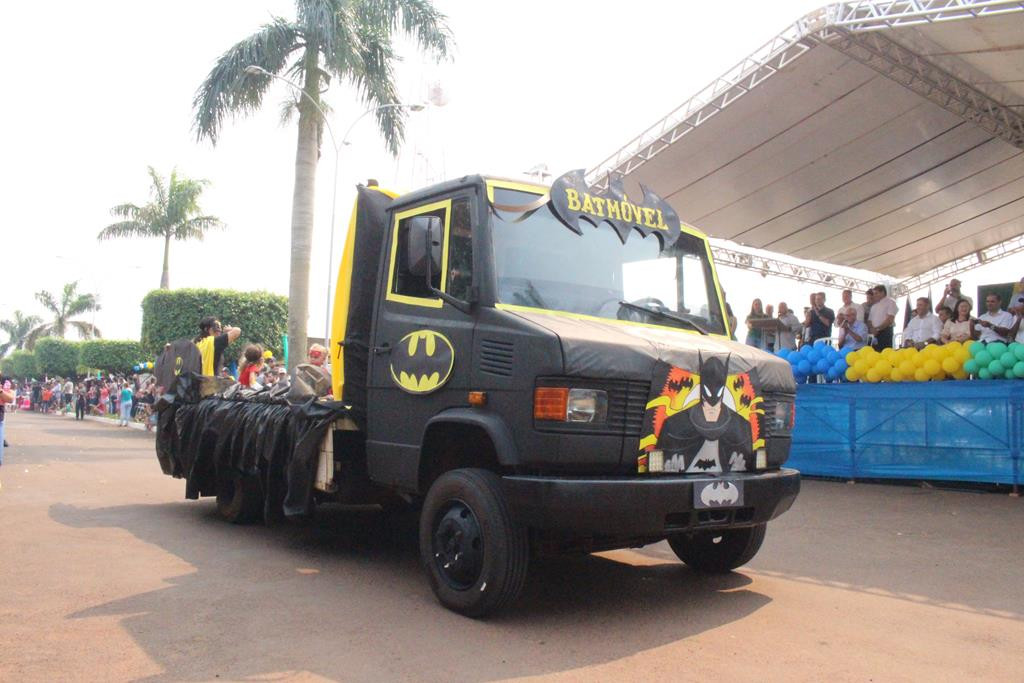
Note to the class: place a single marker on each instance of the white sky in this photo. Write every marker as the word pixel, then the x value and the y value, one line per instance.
pixel 110 92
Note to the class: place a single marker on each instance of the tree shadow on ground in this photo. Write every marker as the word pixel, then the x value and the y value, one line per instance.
pixel 958 550
pixel 344 597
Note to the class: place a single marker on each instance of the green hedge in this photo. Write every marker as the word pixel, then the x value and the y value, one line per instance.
pixel 111 355
pixel 56 356
pixel 21 364
pixel 172 314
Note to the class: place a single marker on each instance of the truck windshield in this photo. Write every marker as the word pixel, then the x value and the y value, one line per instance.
pixel 541 263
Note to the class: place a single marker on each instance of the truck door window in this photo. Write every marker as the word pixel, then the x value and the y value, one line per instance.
pixel 460 250
pixel 403 286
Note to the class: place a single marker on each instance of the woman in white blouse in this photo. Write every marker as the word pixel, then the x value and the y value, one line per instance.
pixel 959 328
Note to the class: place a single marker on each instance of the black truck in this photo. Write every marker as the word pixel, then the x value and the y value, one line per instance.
pixel 537 369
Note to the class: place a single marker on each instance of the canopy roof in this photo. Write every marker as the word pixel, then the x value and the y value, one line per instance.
pixel 886 136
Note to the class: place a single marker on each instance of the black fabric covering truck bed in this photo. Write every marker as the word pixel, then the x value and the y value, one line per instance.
pixel 260 436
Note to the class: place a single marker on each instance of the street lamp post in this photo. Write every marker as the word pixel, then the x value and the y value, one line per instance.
pixel 255 70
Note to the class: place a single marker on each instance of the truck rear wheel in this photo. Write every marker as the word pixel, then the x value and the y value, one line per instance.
pixel 239 497
pixel 474 552
pixel 718 552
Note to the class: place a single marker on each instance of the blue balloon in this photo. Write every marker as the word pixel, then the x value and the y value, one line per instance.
pixel 794 358
pixel 844 352
pixel 135 368
pixel 804 367
pixel 821 366
pixel 782 353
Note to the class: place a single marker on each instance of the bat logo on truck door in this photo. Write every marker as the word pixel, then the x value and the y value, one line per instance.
pixel 422 362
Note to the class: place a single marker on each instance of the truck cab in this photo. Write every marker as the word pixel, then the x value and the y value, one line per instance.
pixel 549 369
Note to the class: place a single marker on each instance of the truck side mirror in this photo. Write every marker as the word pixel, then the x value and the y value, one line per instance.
pixel 423 246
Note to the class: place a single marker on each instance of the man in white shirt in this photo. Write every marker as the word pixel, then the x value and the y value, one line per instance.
pixel 881 317
pixel 787 337
pixel 848 304
pixel 69 394
pixel 924 328
pixel 995 323
pixel 952 294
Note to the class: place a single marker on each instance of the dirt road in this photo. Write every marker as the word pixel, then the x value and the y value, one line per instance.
pixel 106 573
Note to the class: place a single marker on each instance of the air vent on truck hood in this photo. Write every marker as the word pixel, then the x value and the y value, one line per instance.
pixel 496 357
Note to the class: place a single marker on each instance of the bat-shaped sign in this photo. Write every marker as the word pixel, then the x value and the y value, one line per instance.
pixel 720 494
pixel 422 361
pixel 572 199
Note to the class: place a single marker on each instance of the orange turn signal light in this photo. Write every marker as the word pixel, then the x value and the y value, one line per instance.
pixel 478 398
pixel 550 403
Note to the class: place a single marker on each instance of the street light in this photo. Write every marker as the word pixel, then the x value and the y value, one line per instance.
pixel 254 70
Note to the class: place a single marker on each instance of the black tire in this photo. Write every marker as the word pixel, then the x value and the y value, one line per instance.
pixel 239 497
pixel 473 551
pixel 718 552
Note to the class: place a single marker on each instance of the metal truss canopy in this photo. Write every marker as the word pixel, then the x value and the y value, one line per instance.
pixel 914 72
pixel 787 269
pixel 883 136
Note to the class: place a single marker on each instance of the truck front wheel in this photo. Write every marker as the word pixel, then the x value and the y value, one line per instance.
pixel 474 552
pixel 718 552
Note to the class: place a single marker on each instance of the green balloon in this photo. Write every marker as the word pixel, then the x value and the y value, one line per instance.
pixel 984 358
pixel 1008 359
pixel 996 368
pixel 1018 369
pixel 971 367
pixel 984 374
pixel 1018 351
pixel 997 349
pixel 975 348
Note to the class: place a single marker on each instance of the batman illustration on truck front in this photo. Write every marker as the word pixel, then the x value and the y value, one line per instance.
pixel 536 369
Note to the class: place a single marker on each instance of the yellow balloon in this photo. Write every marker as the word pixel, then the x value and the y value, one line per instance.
pixel 883 369
pixel 888 353
pixel 953 346
pixel 896 375
pixel 873 376
pixel 950 365
pixel 907 368
pixel 920 375
pixel 932 367
pixel 862 366
pixel 852 374
pixel 960 374
pixel 963 355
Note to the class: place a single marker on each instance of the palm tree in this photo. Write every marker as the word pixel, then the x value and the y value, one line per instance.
pixel 349 40
pixel 71 303
pixel 17 331
pixel 173 212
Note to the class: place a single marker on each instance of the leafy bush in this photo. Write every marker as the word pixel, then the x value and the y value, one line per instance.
pixel 21 364
pixel 172 314
pixel 111 355
pixel 56 356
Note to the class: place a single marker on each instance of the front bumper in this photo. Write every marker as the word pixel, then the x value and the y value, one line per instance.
pixel 642 506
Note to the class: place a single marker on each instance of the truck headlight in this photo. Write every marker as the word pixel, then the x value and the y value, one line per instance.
pixel 781 418
pixel 562 404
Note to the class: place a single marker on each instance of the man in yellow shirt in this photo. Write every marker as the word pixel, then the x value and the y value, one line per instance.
pixel 212 340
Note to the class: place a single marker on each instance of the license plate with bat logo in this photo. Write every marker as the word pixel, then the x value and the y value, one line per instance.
pixel 718 493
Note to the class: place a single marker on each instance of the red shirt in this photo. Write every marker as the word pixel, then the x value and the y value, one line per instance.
pixel 245 376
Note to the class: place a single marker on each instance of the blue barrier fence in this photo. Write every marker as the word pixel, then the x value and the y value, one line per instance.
pixel 955 430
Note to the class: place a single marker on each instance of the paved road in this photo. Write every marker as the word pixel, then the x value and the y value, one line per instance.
pixel 106 573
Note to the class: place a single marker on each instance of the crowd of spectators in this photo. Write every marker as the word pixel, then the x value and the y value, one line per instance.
pixel 128 396
pixel 873 321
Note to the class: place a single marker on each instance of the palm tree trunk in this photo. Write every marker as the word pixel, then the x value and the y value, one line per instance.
pixel 306 155
pixel 165 276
